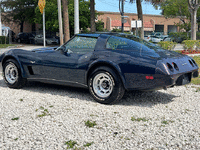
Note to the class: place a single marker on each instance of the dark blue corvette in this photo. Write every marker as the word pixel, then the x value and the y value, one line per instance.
pixel 107 64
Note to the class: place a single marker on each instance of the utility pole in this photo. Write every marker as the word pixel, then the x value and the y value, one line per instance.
pixel 0 23
pixel 60 22
pixel 44 33
pixel 76 16
pixel 122 13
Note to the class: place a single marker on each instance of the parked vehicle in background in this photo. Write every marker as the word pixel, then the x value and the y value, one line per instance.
pixel 147 38
pixel 156 39
pixel 23 37
pixel 49 39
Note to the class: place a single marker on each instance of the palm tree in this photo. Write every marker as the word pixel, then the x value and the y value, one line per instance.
pixel 66 20
pixel 140 16
pixel 92 16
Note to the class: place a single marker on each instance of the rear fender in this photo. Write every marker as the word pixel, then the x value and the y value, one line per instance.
pixel 99 63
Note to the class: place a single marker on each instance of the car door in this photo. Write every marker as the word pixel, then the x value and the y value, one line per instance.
pixel 71 64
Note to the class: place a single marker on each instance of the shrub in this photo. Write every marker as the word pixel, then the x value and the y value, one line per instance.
pixel 3 39
pixel 176 36
pixel 190 44
pixel 167 45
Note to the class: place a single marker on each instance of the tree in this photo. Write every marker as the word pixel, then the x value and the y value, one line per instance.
pixel 51 16
pixel 140 17
pixel 193 7
pixel 92 15
pixel 66 20
pixel 177 8
pixel 19 11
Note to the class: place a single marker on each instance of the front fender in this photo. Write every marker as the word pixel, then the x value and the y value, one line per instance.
pixel 10 55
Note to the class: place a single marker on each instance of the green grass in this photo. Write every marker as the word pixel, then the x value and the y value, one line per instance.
pixel 6 45
pixel 15 118
pixel 196 81
pixel 178 51
pixel 138 119
pixel 70 144
pixel 90 123
pixel 88 144
pixel 167 121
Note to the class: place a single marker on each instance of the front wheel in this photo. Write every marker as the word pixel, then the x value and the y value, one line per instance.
pixel 105 86
pixel 12 74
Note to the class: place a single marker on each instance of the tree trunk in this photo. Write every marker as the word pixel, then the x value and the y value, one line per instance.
pixel 92 16
pixel 21 26
pixel 193 24
pixel 140 17
pixel 66 20
pixel 193 7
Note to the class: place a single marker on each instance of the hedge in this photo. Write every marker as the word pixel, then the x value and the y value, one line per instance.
pixel 2 40
pixel 167 45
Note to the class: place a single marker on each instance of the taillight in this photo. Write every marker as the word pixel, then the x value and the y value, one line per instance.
pixel 149 77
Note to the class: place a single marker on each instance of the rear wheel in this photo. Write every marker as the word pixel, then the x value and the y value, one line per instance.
pixel 12 74
pixel 105 86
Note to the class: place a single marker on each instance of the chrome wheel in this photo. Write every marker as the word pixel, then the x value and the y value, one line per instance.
pixel 103 85
pixel 11 73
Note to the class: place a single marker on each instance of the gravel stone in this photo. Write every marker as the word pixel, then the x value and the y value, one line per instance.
pixel 172 119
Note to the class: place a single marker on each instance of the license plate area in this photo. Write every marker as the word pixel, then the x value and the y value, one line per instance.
pixel 184 79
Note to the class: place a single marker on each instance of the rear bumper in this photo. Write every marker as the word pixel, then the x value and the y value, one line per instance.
pixel 139 81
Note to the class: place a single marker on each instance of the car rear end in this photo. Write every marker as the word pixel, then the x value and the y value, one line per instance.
pixel 177 71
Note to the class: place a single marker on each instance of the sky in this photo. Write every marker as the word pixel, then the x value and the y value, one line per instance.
pixel 113 6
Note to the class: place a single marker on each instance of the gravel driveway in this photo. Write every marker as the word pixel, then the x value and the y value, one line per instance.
pixel 44 116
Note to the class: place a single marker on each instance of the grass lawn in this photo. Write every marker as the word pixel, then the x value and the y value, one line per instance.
pixel 196 80
pixel 6 45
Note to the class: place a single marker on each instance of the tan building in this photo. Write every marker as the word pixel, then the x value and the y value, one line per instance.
pixel 156 23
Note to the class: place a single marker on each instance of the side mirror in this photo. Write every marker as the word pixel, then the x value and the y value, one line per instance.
pixel 61 49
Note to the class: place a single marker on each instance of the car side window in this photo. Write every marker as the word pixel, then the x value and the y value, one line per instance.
pixel 81 44
pixel 118 43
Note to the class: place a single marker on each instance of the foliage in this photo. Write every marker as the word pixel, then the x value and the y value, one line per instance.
pixel 21 10
pixel 190 44
pixel 182 35
pixel 186 26
pixel 116 30
pixel 196 80
pixel 167 45
pixel 138 119
pixel 90 123
pixel 88 144
pixel 198 35
pixel 70 144
pixel 174 8
pixel 3 39
pixel 178 8
pixel 51 15
pixel 5 45
pixel 100 25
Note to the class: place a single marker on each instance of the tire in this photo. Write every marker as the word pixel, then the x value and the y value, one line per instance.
pixel 12 74
pixel 105 86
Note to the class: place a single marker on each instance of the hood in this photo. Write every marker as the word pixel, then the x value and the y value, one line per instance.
pixel 44 49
